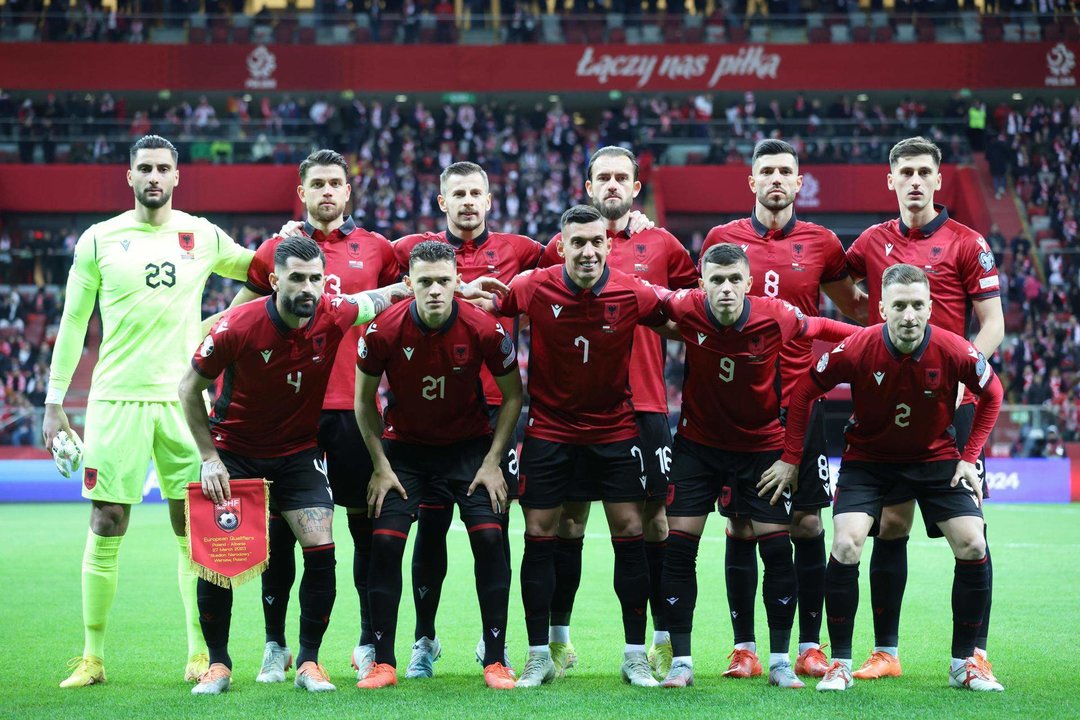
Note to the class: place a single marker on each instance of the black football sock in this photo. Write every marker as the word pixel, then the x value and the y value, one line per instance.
pixel 384 583
pixel 984 629
pixel 679 586
pixel 505 521
pixel 537 581
pixel 741 576
pixel 360 529
pixel 492 584
pixel 654 555
pixel 841 603
pixel 215 617
pixel 888 579
pixel 278 578
pixel 779 588
pixel 429 565
pixel 971 587
pixel 810 574
pixel 318 589
pixel 632 585
pixel 567 578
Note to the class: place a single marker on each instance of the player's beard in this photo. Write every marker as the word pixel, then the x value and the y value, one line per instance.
pixel 775 204
pixel 153 203
pixel 469 223
pixel 613 212
pixel 293 306
pixel 324 214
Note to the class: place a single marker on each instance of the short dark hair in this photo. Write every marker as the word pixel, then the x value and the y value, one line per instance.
pixel 903 274
pixel 724 254
pixel 911 148
pixel 323 157
pixel 611 151
pixel 153 142
pixel 580 214
pixel 461 169
pixel 299 247
pixel 433 251
pixel 774 147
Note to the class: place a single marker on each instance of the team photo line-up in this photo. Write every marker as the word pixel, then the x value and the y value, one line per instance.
pixel 329 312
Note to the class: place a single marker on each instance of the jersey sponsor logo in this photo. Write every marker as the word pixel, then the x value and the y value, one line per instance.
pixel 408 353
pixel 986 261
pixel 797 252
pixel 187 241
pixel 353 248
pixel 757 345
pixel 822 363
pixel 611 313
pixel 933 378
pixel 888 249
pixel 879 376
pixel 267 353
pixel 207 347
pixel 701 337
pixel 361 348
pixel 639 252
pixel 90 478
pixel 556 309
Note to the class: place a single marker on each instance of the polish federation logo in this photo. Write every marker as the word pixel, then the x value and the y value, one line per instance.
pixel 810 193
pixel 227 515
pixel 1060 62
pixel 261 64
pixel 186 240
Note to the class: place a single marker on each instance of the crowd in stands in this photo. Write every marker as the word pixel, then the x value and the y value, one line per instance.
pixel 25 353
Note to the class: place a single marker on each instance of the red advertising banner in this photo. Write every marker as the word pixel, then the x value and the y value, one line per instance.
pixel 538 68
pixel 229 541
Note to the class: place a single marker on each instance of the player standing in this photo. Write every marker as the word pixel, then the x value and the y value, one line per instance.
pixel 794 261
pixel 656 256
pixel 277 356
pixel 963 278
pixel 465 199
pixel 356 261
pixel 581 424
pixel 146 268
pixel 728 445
pixel 437 435
pixel 903 377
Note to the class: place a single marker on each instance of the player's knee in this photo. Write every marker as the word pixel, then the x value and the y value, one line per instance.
pixel 109 519
pixel 740 529
pixel 655 521
pixel 573 520
pixel 847 548
pixel 969 544
pixel 806 525
pixel 541 523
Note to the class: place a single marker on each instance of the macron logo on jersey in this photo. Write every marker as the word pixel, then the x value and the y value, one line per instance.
pixel 266 355
pixel 879 376
pixel 701 337
pixel 408 353
pixel 556 309
pixel 888 249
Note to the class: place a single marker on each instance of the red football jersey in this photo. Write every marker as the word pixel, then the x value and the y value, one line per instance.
pixel 790 264
pixel 657 257
pixel 436 397
pixel 903 404
pixel 275 376
pixel 731 391
pixel 356 261
pixel 579 372
pixel 498 255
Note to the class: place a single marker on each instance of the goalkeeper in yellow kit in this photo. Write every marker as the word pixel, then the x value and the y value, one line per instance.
pixel 146 268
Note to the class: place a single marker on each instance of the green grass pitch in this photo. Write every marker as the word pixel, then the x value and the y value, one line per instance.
pixel 1033 638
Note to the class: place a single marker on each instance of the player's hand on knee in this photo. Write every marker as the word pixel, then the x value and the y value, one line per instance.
pixel 491 478
pixel 777 479
pixel 638 222
pixel 215 481
pixel 382 483
pixel 968 474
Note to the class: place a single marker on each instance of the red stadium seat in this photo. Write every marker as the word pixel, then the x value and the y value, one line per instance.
pixel 306 36
pixel 219 34
pixel 283 32
pixel 737 33
pixel 241 35
pixel 883 34
pixel 617 36
pixel 1052 32
pixel 695 34
pixel 196 35
pixel 818 34
pixel 860 34
pixel 1070 30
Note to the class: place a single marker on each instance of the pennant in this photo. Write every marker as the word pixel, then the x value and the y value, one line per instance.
pixel 229 541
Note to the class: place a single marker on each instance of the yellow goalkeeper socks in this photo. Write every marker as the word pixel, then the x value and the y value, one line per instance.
pixel 99 575
pixel 187 580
